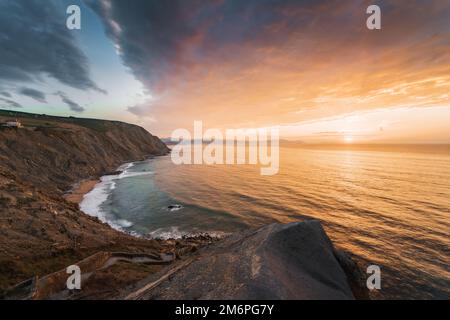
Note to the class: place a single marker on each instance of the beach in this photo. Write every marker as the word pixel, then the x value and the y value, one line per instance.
pixel 76 195
pixel 372 204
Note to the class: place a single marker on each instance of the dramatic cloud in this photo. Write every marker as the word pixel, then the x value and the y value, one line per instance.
pixel 5 94
pixel 34 41
pixel 157 38
pixel 72 105
pixel 263 62
pixel 7 103
pixel 34 94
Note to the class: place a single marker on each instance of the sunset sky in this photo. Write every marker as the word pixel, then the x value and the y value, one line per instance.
pixel 311 68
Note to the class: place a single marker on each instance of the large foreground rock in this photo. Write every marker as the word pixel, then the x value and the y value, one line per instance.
pixel 293 261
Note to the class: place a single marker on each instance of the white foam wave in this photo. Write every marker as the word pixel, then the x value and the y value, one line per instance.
pixel 175 233
pixel 126 174
pixel 167 233
pixel 175 207
pixel 126 166
pixel 124 223
pixel 93 200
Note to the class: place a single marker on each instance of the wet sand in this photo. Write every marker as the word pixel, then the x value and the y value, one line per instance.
pixel 77 193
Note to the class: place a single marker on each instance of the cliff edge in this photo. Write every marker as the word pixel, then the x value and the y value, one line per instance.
pixel 40 232
pixel 56 152
pixel 279 261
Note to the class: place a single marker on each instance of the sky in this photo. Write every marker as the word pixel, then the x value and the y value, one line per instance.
pixel 310 68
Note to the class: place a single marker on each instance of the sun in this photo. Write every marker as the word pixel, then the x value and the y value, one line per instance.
pixel 348 139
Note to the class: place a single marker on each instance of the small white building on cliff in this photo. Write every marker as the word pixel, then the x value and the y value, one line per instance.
pixel 13 124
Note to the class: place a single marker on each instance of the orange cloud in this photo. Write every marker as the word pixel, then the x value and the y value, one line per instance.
pixel 266 63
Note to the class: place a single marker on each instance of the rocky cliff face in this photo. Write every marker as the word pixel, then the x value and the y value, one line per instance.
pixel 54 153
pixel 40 232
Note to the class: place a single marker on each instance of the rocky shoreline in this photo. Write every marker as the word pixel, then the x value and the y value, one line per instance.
pixel 275 262
pixel 278 261
pixel 42 230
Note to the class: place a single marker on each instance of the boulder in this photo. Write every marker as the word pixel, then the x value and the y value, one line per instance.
pixel 291 261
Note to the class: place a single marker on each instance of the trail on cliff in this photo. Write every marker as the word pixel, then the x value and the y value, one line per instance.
pixel 40 232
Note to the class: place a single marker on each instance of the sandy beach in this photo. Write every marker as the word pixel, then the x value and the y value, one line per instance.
pixel 77 193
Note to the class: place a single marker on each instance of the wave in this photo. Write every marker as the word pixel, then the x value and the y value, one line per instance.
pixel 92 201
pixel 175 207
pixel 124 223
pixel 124 174
pixel 126 166
pixel 175 233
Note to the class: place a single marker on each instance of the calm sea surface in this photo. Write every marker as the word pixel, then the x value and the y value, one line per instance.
pixel 390 208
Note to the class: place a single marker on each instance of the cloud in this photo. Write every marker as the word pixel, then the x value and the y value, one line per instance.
pixel 35 43
pixel 9 103
pixel 5 94
pixel 156 38
pixel 34 94
pixel 138 110
pixel 231 61
pixel 72 105
pixel 141 110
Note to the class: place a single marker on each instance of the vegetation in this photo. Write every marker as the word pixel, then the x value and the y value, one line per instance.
pixel 46 121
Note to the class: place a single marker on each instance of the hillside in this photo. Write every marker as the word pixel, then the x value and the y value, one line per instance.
pixel 39 231
pixel 55 152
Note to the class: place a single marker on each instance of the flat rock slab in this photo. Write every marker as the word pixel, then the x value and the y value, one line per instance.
pixel 291 261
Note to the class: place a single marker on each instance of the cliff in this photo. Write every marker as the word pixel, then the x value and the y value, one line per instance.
pixel 56 152
pixel 40 232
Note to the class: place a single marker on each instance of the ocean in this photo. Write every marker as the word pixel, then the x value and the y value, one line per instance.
pixel 386 206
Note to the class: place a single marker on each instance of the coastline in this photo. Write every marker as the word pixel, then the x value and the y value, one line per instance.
pixel 80 189
pixel 198 250
pixel 42 229
pixel 187 250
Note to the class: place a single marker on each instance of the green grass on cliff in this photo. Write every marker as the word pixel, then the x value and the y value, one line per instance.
pixel 43 120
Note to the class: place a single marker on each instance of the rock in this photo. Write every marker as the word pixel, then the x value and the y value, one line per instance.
pixel 38 167
pixel 357 278
pixel 293 261
pixel 175 207
pixel 112 173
